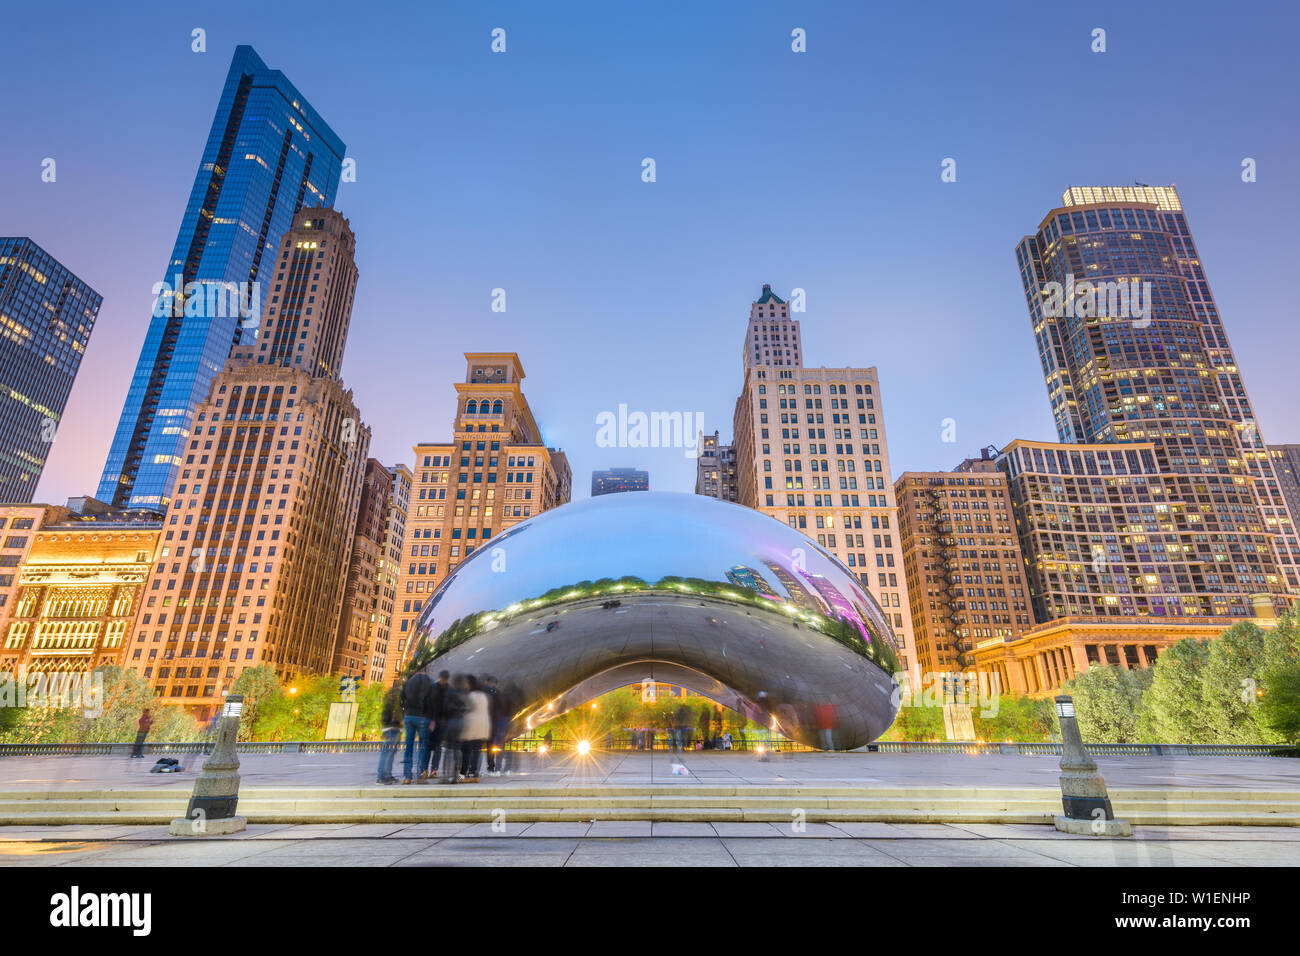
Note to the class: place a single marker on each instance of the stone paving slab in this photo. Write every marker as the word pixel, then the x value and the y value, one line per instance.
pixel 898 845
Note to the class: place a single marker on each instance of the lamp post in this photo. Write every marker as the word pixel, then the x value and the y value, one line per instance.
pixel 1084 799
pixel 211 809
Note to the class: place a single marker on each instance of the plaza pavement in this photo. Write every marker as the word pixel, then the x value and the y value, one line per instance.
pixel 641 843
pixel 703 767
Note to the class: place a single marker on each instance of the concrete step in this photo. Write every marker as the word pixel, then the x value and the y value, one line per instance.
pixel 478 802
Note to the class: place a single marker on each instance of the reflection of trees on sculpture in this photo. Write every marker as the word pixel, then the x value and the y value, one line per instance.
pixel 878 649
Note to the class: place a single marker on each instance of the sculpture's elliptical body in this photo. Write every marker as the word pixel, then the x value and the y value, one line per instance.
pixel 683 589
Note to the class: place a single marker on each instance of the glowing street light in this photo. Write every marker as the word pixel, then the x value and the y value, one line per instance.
pixel 584 747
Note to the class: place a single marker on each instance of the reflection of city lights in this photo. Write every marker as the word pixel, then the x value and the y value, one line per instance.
pixel 584 747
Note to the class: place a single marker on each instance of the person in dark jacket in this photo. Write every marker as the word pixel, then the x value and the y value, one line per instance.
pixel 391 719
pixel 437 725
pixel 453 708
pixel 415 704
pixel 681 733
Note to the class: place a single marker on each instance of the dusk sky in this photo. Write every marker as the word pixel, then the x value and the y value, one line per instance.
pixel 817 170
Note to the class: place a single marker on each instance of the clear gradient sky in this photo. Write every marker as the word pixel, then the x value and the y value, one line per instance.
pixel 817 170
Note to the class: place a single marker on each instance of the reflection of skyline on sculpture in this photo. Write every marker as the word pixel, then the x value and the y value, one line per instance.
pixel 818 599
pixel 623 587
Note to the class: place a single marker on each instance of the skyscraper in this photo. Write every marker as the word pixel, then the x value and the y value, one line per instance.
pixel 715 470
pixel 495 472
pixel 613 480
pixel 1133 351
pixel 364 587
pixel 268 154
pixel 832 483
pixel 1286 463
pixel 382 664
pixel 46 317
pixel 257 540
pixel 772 337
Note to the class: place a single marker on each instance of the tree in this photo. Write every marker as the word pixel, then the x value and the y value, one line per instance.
pixel 1018 719
pixel 1279 707
pixel 1207 691
pixel 1173 707
pixel 1279 679
pixel 917 722
pixel 256 685
pixel 370 711
pixel 1229 681
pixel 1106 702
pixel 122 695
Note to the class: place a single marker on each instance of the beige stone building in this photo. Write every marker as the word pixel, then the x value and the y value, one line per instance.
pixel 70 582
pixel 1038 661
pixel 811 452
pixel 495 472
pixel 962 561
pixel 257 539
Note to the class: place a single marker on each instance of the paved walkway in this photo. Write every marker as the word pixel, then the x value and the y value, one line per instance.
pixel 703 767
pixel 646 844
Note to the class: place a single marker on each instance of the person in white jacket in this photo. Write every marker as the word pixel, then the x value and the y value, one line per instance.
pixel 475 731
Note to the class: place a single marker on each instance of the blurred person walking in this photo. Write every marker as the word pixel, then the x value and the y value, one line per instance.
pixel 476 729
pixel 454 718
pixel 142 727
pixel 437 725
pixel 390 718
pixel 496 742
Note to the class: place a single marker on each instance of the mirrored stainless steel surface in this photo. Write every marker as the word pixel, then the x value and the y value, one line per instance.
pixel 679 588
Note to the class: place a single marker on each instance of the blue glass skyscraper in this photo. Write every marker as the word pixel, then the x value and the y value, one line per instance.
pixel 268 154
pixel 46 317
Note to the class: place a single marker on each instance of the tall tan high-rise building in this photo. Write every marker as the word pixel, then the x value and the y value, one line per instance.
pixel 70 582
pixel 380 664
pixel 715 470
pixel 363 588
pixel 257 539
pixel 495 472
pixel 811 452
pixel 772 337
pixel 961 557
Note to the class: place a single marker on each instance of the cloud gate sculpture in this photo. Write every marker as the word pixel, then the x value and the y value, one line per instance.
pixel 688 590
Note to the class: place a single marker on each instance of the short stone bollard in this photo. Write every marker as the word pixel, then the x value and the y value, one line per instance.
pixel 1083 790
pixel 211 810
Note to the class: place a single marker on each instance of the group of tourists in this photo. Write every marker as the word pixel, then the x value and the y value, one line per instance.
pixel 448 725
